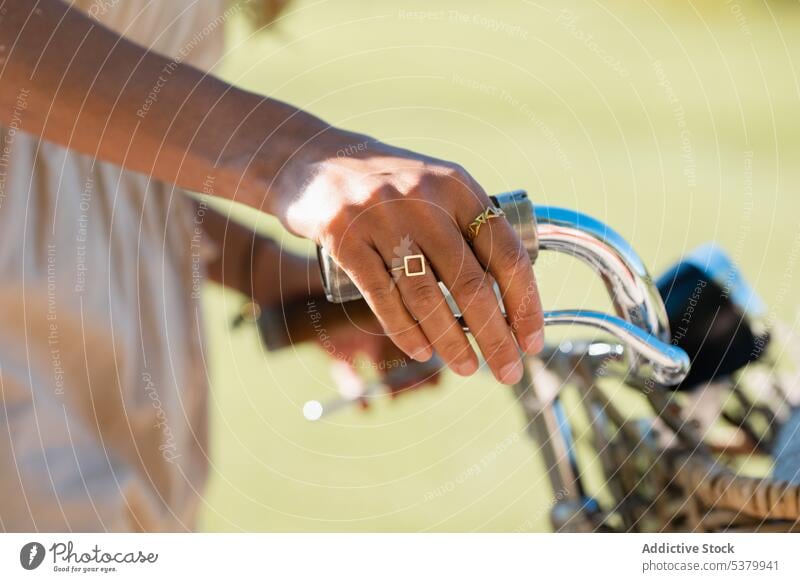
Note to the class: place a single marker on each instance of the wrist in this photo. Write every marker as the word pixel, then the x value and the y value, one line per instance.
pixel 303 155
pixel 267 161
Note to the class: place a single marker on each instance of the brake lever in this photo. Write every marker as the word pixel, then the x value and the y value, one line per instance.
pixel 669 364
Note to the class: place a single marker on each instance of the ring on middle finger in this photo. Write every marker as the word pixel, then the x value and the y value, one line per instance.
pixel 413 266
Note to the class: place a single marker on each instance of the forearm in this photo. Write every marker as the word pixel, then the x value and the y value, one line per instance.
pixel 255 265
pixel 91 90
pixel 87 88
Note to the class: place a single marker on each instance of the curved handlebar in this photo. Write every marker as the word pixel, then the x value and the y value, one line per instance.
pixel 669 364
pixel 630 286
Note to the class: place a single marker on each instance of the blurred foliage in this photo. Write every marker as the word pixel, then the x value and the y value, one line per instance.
pixel 675 122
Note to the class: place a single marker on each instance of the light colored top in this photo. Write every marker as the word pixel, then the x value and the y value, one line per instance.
pixel 103 384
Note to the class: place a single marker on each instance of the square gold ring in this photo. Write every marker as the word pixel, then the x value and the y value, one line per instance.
pixel 407 267
pixel 407 263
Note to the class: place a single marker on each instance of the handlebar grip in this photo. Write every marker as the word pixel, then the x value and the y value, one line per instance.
pixel 518 209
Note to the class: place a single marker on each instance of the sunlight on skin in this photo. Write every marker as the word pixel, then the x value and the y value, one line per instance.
pixel 539 111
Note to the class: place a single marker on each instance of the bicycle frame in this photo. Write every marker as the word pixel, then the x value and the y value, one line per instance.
pixel 656 487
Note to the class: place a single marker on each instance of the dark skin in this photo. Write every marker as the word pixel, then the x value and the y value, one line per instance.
pixel 91 90
pixel 257 267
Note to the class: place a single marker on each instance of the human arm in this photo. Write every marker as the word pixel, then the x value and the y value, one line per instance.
pixel 288 284
pixel 91 90
pixel 253 264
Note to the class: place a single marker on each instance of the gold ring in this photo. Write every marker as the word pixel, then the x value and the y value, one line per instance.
pixel 484 217
pixel 407 264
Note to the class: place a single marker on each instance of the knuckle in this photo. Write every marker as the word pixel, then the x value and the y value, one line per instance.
pixel 428 185
pixel 341 224
pixel 512 257
pixel 495 346
pixel 472 285
pixel 457 172
pixel 343 249
pixel 527 315
pixel 443 177
pixel 451 349
pixel 404 337
pixel 524 324
pixel 383 193
pixel 426 295
pixel 468 186
pixel 377 292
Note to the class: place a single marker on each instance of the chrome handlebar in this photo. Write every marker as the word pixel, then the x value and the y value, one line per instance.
pixel 642 321
pixel 665 363
pixel 630 286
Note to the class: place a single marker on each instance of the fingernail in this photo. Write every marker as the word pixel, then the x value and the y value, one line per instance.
pixel 533 343
pixel 511 373
pixel 466 368
pixel 422 354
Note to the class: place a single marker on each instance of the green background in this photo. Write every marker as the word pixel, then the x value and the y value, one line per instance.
pixel 675 122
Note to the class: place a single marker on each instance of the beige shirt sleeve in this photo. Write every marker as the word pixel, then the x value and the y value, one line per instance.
pixel 103 384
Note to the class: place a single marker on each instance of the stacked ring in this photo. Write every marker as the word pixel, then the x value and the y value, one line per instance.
pixel 475 226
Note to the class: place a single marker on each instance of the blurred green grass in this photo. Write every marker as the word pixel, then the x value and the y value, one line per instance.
pixel 675 122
